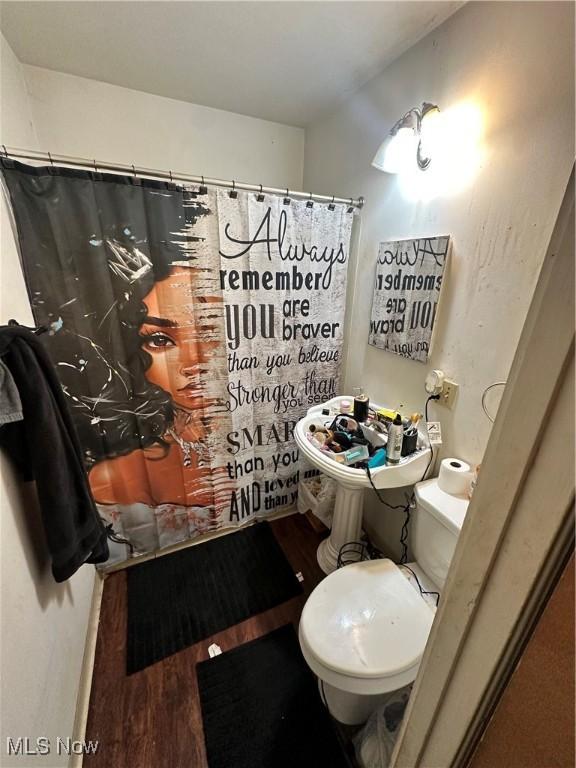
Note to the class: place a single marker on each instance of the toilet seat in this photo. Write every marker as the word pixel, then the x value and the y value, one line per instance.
pixel 364 628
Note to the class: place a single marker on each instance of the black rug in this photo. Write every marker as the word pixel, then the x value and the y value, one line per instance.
pixel 176 600
pixel 261 708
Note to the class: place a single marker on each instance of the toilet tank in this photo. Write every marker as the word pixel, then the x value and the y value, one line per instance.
pixel 436 524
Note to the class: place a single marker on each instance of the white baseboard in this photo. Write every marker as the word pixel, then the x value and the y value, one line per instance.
pixel 83 698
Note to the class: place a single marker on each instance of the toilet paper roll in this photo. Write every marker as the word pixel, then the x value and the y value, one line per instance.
pixel 454 476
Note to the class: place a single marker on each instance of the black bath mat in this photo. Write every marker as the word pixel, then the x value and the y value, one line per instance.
pixel 176 600
pixel 261 708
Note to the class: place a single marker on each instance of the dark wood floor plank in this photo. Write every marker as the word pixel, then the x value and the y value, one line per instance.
pixel 153 718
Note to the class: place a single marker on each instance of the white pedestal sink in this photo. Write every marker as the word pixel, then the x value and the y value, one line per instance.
pixel 347 520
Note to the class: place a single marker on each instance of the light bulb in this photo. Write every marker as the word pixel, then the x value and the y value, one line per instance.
pixel 397 152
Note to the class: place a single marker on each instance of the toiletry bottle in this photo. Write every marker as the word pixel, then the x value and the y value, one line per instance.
pixel 361 403
pixel 378 458
pixel 394 444
pixel 345 406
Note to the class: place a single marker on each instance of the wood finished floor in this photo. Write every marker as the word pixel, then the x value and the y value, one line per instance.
pixel 152 719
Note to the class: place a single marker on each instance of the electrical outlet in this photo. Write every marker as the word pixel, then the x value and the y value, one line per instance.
pixel 448 394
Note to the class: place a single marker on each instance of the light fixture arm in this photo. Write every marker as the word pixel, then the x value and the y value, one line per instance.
pixel 413 120
pixel 404 121
pixel 423 162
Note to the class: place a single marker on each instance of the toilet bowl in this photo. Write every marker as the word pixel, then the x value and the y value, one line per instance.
pixel 362 632
pixel 364 628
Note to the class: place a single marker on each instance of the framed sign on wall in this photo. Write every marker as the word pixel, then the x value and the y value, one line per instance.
pixel 407 289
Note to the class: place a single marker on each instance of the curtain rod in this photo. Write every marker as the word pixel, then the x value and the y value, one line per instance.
pixel 97 165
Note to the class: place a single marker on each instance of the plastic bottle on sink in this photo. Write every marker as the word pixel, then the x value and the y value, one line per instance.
pixel 345 407
pixel 394 444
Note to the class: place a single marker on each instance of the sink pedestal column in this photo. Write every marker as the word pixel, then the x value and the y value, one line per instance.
pixel 346 526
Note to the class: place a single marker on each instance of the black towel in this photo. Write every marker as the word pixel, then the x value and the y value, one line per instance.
pixel 45 447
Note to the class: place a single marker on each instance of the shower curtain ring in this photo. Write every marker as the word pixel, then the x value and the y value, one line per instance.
pixel 351 206
pixel 233 194
pixel 203 189
pixel 260 196
pixel 309 203
pixel 134 171
pixel 5 150
pixel 171 179
pixel 50 158
pixel 95 166
pixel 331 205
pixel 287 199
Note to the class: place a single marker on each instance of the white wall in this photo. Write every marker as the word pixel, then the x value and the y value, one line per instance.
pixel 86 118
pixel 514 62
pixel 43 623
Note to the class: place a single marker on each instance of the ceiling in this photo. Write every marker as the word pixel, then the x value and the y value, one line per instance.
pixel 281 61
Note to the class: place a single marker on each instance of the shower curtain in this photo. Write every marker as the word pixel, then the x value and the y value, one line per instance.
pixel 192 329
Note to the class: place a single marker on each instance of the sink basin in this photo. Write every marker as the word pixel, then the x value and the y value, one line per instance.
pixel 347 520
pixel 407 472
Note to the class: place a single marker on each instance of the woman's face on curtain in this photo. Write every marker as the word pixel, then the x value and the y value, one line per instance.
pixel 170 336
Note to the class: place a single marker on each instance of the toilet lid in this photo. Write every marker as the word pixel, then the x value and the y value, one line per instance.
pixel 366 620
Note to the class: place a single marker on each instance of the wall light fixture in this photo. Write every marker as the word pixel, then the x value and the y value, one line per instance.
pixel 407 141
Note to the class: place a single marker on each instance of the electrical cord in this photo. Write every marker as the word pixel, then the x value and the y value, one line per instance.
pixel 422 591
pixel 406 507
pixel 380 499
pixel 432 397
pixel 113 536
pixel 357 551
pixel 488 389
pixel 352 552
pixel 404 533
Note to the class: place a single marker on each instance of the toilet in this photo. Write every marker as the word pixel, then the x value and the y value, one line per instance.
pixel 364 628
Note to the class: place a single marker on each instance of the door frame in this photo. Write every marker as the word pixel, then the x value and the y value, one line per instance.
pixel 517 536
